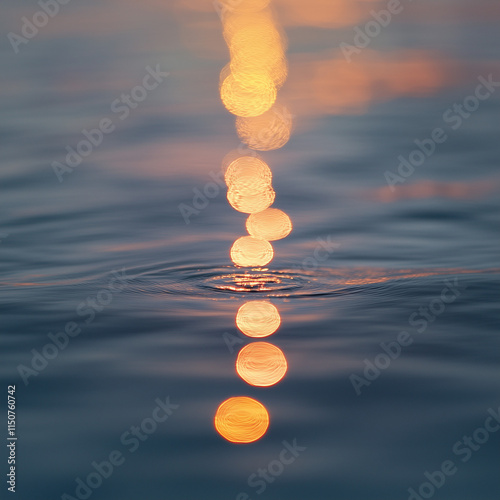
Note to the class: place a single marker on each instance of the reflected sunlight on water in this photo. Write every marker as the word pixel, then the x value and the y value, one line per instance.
pixel 258 65
pixel 271 130
pixel 249 174
pixel 248 89
pixel 271 224
pixel 241 420
pixel 261 364
pixel 258 318
pixel 251 203
pixel 361 261
pixel 248 251
pixel 251 98
pixel 249 185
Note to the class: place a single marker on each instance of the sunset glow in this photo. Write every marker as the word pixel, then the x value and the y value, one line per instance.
pixel 251 97
pixel 248 85
pixel 241 420
pixel 257 68
pixel 271 224
pixel 261 364
pixel 248 174
pixel 266 132
pixel 248 251
pixel 258 318
pixel 251 203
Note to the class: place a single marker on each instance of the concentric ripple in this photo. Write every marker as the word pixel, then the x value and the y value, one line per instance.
pixel 213 282
pixel 275 284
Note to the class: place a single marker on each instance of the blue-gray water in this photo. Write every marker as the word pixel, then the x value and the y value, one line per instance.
pixel 164 329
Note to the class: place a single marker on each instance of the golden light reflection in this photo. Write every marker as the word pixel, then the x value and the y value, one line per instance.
pixel 249 174
pixel 261 364
pixel 258 49
pixel 254 282
pixel 251 203
pixel 258 318
pixel 266 132
pixel 248 88
pixel 251 97
pixel 249 185
pixel 258 67
pixel 248 251
pixel 241 420
pixel 270 224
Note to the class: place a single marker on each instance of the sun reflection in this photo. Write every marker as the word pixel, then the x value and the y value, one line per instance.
pixel 258 318
pixel 257 67
pixel 251 97
pixel 248 85
pixel 248 251
pixel 271 224
pixel 251 203
pixel 248 174
pixel 249 185
pixel 241 420
pixel 266 132
pixel 261 364
pixel 257 49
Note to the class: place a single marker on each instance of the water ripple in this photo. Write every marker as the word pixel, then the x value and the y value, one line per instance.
pixel 208 281
pixel 217 281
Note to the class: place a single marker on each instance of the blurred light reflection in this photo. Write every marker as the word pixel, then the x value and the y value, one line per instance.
pixel 266 132
pixel 248 251
pixel 257 68
pixel 258 318
pixel 241 420
pixel 248 174
pixel 270 224
pixel 261 364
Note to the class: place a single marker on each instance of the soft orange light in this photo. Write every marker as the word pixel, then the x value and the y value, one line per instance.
pixel 266 132
pixel 258 68
pixel 271 224
pixel 249 185
pixel 258 49
pixel 241 420
pixel 251 203
pixel 248 251
pixel 261 364
pixel 249 174
pixel 228 6
pixel 258 318
pixel 249 97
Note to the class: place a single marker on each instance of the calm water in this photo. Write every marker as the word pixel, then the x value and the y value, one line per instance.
pixel 165 325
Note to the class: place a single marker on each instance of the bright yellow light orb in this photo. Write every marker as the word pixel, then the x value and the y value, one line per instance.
pixel 248 251
pixel 249 97
pixel 258 318
pixel 249 182
pixel 249 204
pixel 249 174
pixel 257 52
pixel 270 224
pixel 261 364
pixel 241 420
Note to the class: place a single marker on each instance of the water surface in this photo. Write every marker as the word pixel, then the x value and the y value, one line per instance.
pixel 168 328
